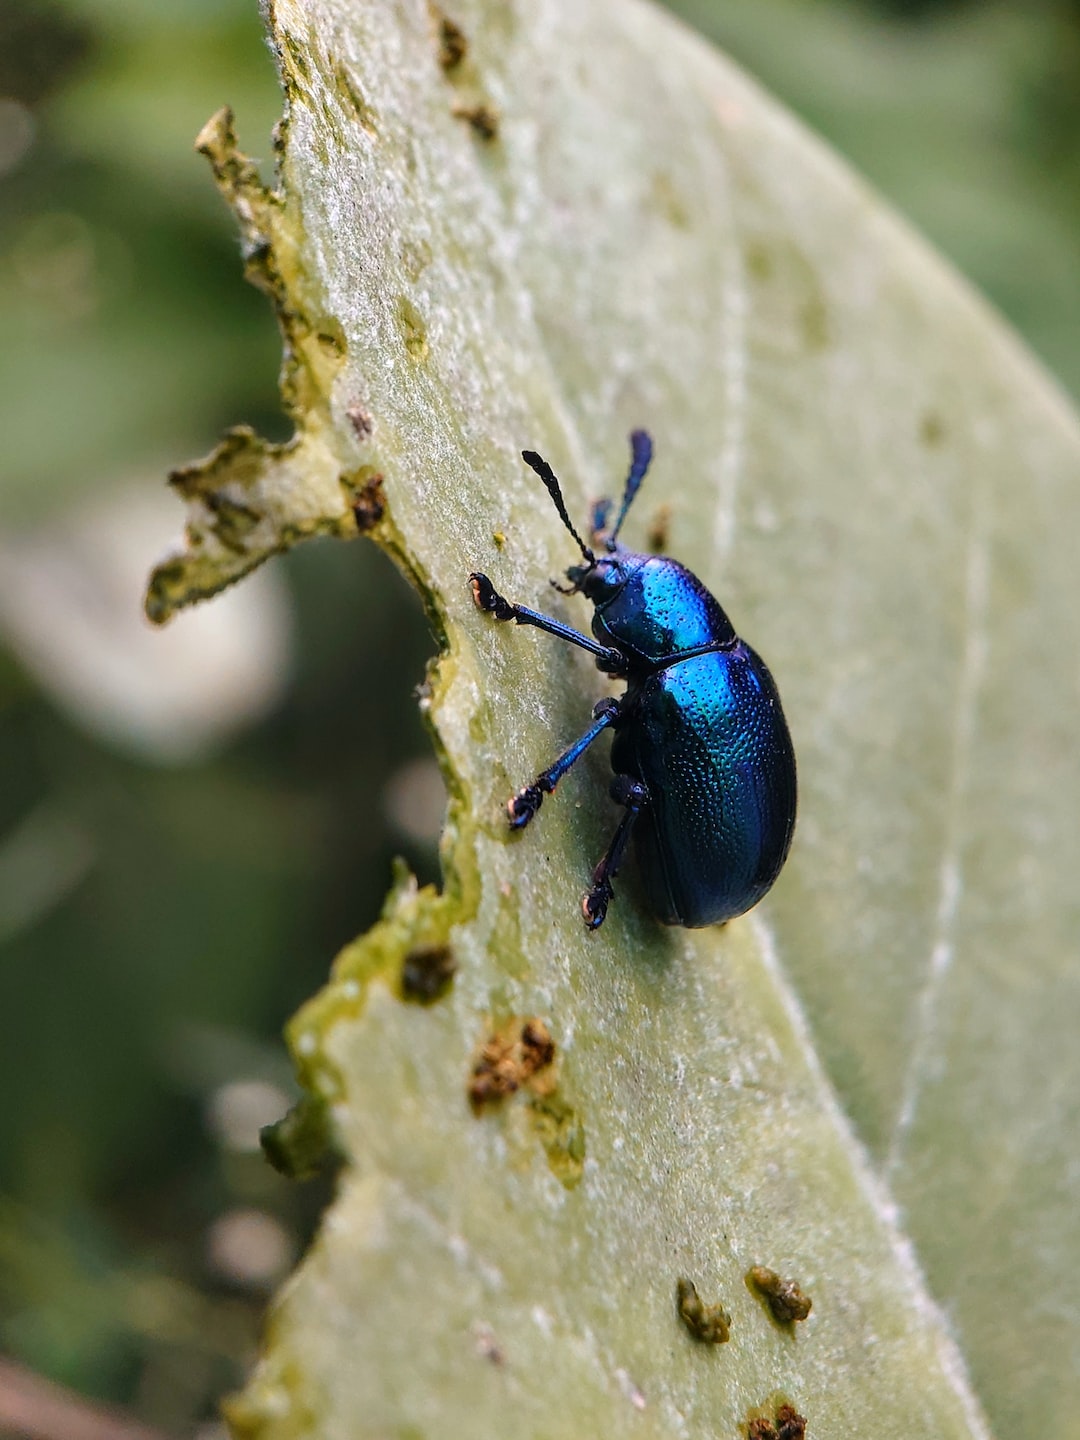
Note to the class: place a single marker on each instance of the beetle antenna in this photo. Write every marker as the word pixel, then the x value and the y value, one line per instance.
pixel 547 475
pixel 640 457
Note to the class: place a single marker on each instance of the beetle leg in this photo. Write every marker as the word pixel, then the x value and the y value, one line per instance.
pixel 624 791
pixel 523 806
pixel 488 598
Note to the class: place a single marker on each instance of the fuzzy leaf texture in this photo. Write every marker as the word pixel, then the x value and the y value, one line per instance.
pixel 541 226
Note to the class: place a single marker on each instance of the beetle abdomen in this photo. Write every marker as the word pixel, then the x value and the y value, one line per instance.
pixel 708 738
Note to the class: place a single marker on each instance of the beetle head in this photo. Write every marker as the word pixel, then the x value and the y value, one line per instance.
pixel 606 575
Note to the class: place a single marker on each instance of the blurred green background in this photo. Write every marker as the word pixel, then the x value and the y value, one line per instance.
pixel 193 821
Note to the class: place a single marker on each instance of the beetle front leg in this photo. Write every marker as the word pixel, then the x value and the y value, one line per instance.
pixel 488 598
pixel 625 790
pixel 523 806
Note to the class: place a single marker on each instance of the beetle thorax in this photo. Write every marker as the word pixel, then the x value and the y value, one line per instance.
pixel 651 607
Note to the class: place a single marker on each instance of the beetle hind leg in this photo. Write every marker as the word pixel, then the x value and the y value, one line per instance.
pixel 631 793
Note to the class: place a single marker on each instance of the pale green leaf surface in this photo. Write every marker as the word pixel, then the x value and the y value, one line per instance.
pixel 871 1083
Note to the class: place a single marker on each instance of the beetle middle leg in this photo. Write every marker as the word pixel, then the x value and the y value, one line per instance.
pixel 625 790
pixel 523 806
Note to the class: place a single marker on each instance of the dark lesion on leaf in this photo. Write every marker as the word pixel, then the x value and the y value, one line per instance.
pixel 457 65
pixel 784 1423
pixel 509 1058
pixel 483 118
pixel 450 40
pixel 785 1300
pixel 427 973
pixel 366 498
pixel 710 1324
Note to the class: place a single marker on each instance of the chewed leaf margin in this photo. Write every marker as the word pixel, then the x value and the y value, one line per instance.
pixel 250 499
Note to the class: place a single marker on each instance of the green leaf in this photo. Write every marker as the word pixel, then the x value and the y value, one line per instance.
pixel 591 221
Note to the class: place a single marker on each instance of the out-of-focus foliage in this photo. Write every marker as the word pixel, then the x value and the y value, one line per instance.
pixel 129 346
pixel 125 340
pixel 967 115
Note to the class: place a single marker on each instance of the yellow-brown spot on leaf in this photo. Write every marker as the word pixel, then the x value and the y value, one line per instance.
pixel 453 46
pixel 508 1059
pixel 708 1323
pixel 785 1300
pixel 483 118
pixel 416 256
pixel 785 1423
pixel 790 1425
pixel 412 328
pixel 562 1134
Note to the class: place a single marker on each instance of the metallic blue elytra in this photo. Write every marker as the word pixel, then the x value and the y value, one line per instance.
pixel 703 761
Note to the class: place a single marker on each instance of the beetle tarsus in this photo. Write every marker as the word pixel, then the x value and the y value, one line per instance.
pixel 488 598
pixel 594 904
pixel 523 806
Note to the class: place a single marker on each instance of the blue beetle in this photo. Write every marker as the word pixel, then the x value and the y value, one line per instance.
pixel 703 761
